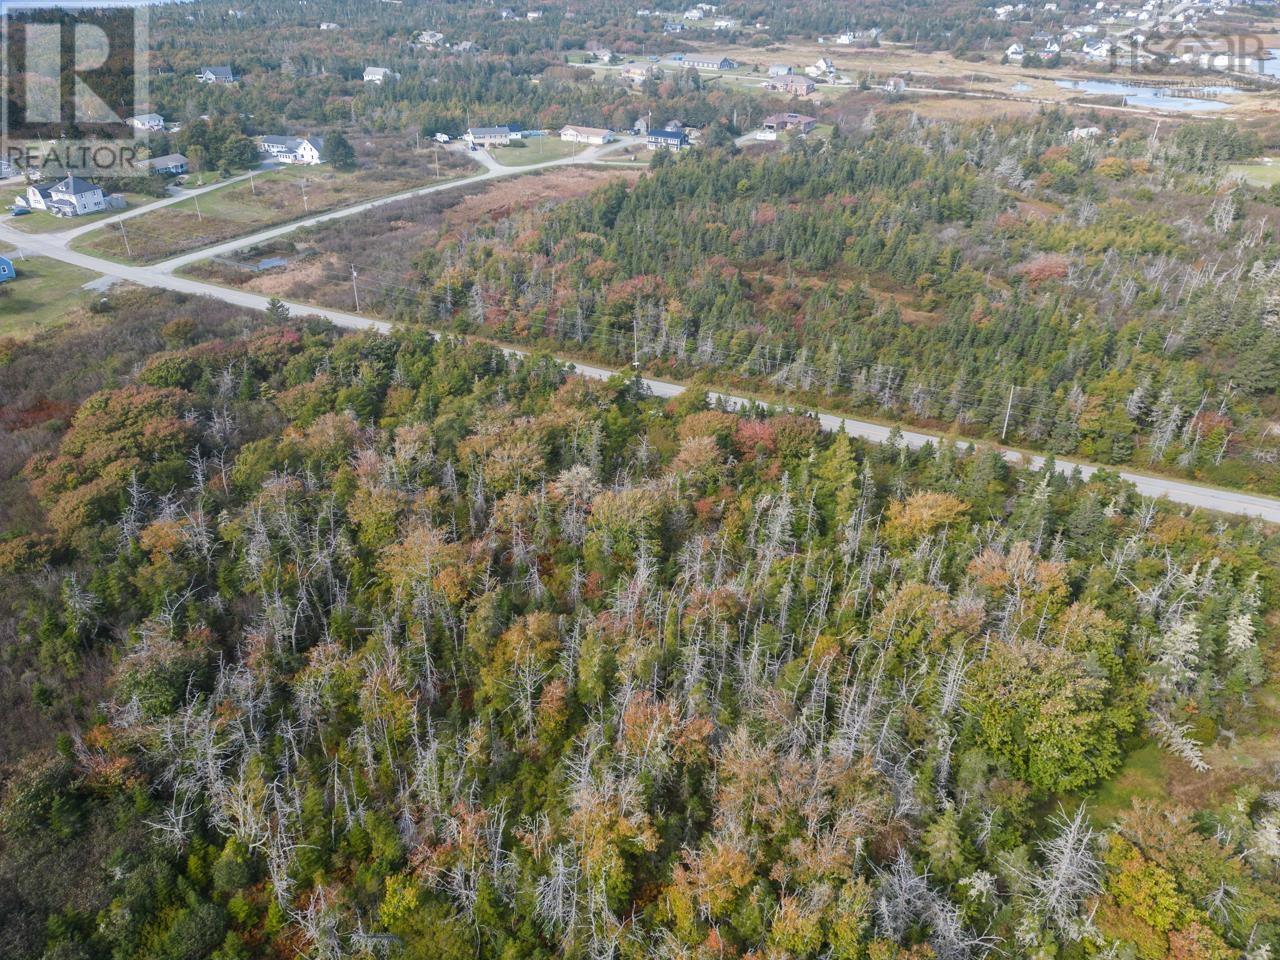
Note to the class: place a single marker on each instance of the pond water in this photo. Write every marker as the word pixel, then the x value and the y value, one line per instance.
pixel 1020 87
pixel 1154 98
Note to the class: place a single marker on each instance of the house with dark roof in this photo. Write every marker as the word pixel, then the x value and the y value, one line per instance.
pixel 69 197
pixel 216 75
pixel 674 140
pixel 300 150
pixel 710 63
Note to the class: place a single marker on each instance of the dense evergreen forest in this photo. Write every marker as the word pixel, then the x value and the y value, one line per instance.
pixel 380 646
pixel 1113 300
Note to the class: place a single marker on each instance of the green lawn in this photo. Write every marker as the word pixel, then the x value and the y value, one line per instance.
pixel 1143 775
pixel 40 221
pixel 1259 174
pixel 42 294
pixel 536 150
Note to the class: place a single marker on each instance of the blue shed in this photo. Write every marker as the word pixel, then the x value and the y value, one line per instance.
pixel 6 270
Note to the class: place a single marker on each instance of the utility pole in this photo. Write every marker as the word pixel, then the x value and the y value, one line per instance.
pixel 355 289
pixel 305 205
pixel 199 215
pixel 1007 411
pixel 127 249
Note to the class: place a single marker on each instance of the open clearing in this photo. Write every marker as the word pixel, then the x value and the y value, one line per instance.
pixel 265 200
pixel 1263 174
pixel 42 295
pixel 382 244
pixel 521 153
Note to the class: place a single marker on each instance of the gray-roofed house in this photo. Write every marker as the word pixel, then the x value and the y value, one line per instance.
pixel 488 136
pixel 216 75
pixel 69 197
pixel 170 165
pixel 146 121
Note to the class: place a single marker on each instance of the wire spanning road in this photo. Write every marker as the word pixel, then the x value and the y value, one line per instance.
pixel 55 246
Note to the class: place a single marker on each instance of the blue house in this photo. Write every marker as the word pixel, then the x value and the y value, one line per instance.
pixel 667 140
pixel 6 270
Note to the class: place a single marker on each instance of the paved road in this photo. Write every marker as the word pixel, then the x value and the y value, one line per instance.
pixel 1190 494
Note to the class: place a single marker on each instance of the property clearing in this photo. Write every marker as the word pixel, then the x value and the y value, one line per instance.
pixel 42 295
pixel 1264 173
pixel 264 200
pixel 314 265
pixel 521 153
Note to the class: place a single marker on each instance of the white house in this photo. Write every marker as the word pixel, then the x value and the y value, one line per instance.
pixel 1084 133
pixel 710 63
pixel 328 25
pixel 305 151
pixel 146 121
pixel 488 136
pixel 70 197
pixel 637 73
pixel 779 69
pixel 575 134
pixel 432 38
pixel 379 75
pixel 821 68
pixel 216 75
pixel 1015 53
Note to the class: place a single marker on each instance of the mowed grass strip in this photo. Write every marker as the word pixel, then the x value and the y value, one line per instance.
pixel 537 150
pixel 269 199
pixel 42 295
pixel 1258 174
pixel 42 221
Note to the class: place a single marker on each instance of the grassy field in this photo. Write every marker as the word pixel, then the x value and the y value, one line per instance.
pixel 1259 174
pixel 40 221
pixel 536 150
pixel 268 199
pixel 41 295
